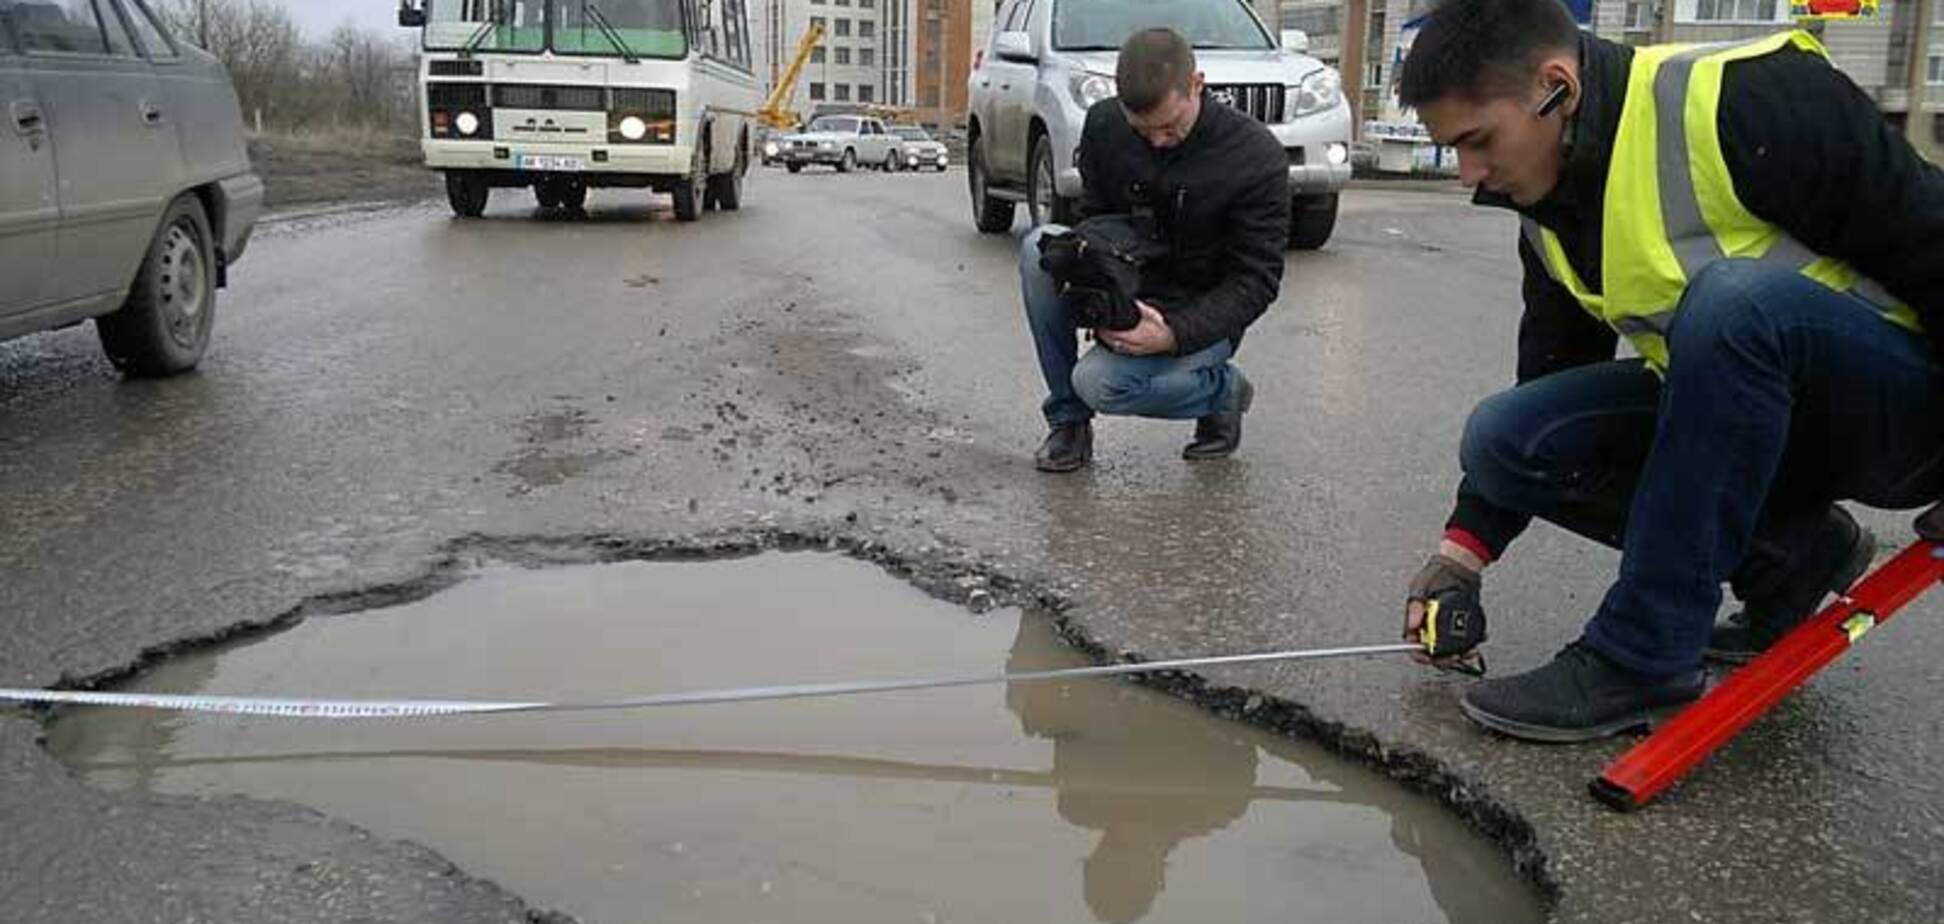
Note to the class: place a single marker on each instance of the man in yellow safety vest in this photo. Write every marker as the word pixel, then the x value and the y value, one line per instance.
pixel 1773 253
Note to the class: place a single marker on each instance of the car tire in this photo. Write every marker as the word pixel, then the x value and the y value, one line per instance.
pixel 990 215
pixel 892 162
pixel 1312 219
pixel 546 194
pixel 163 327
pixel 794 168
pixel 1044 204
pixel 468 192
pixel 848 163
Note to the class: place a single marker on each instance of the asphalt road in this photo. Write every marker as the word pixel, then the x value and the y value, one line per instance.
pixel 394 393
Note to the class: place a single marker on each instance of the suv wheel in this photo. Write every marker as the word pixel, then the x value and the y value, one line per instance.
pixel 163 327
pixel 468 192
pixel 1312 219
pixel 992 216
pixel 1044 204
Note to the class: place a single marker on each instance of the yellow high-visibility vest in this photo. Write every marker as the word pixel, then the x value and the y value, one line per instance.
pixel 1671 207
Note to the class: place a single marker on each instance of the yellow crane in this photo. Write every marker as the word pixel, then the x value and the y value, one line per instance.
pixel 776 112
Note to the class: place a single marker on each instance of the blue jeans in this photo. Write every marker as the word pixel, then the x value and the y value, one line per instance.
pixel 1106 382
pixel 1781 398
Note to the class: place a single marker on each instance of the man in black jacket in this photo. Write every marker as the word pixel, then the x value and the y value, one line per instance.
pixel 1217 184
pixel 1775 255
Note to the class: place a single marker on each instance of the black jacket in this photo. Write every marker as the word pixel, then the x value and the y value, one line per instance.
pixel 1222 199
pixel 1807 150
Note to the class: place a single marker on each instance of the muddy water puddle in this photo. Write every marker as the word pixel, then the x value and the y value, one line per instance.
pixel 1053 802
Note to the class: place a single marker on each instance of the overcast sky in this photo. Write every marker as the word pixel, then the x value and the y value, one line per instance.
pixel 319 17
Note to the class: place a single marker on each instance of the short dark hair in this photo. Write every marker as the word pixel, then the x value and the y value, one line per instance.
pixel 1153 64
pixel 1482 49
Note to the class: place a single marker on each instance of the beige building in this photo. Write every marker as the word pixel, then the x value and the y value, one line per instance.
pixel 1360 37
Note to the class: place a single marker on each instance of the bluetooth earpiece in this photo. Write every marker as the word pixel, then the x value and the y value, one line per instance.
pixel 1556 98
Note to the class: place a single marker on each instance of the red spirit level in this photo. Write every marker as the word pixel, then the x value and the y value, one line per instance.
pixel 1651 766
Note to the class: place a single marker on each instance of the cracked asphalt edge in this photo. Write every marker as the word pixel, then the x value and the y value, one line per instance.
pixel 954 576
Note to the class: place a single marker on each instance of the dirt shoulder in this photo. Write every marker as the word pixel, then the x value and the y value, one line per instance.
pixel 340 167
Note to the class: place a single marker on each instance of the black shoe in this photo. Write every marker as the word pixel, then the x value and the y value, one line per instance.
pixel 1580 696
pixel 1067 449
pixel 1218 435
pixel 1840 554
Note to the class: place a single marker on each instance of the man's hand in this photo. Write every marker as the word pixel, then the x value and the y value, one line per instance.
pixel 1148 338
pixel 1454 568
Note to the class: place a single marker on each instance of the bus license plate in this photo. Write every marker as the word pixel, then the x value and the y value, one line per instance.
pixel 549 162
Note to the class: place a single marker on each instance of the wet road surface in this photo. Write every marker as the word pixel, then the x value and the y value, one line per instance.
pixel 393 392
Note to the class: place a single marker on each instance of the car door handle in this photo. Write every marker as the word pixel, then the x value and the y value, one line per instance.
pixel 27 118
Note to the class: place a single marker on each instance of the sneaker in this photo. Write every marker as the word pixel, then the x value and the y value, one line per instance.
pixel 1067 449
pixel 1219 435
pixel 1841 553
pixel 1580 696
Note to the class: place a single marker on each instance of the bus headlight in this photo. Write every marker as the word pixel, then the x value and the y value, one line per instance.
pixel 467 123
pixel 634 128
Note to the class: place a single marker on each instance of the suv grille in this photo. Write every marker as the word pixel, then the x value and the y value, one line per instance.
pixel 1264 101
pixel 535 96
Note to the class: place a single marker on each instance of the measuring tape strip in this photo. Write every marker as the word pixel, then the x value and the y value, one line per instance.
pixel 288 708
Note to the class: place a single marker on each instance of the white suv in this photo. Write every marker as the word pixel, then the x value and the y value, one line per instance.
pixel 1049 60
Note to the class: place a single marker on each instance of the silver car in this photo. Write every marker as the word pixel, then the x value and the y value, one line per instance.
pixel 841 141
pixel 921 152
pixel 1048 61
pixel 126 192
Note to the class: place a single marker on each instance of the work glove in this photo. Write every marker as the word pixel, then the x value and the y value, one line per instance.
pixel 1451 621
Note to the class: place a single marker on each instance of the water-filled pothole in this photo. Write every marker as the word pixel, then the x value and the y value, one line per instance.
pixel 1078 801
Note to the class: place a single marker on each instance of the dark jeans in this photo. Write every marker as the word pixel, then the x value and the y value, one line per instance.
pixel 1782 397
pixel 1164 386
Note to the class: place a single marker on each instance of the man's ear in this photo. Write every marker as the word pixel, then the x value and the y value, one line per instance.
pixel 1196 83
pixel 1561 70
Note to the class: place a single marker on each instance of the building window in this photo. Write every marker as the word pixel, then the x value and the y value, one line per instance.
pixel 818 21
pixel 867 4
pixel 817 55
pixel 816 91
pixel 866 93
pixel 866 29
pixel 843 93
pixel 843 56
pixel 867 57
pixel 1936 68
pixel 1737 10
pixel 1640 17
pixel 841 2
pixel 843 27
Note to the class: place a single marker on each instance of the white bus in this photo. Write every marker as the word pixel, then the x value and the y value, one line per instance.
pixel 561 96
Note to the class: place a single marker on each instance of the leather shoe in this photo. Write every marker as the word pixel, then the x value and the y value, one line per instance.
pixel 1067 449
pixel 1218 435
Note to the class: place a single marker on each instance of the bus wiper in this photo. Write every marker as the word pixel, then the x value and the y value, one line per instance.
pixel 479 35
pixel 613 34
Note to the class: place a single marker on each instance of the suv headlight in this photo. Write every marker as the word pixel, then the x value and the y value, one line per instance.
pixel 1089 88
pixel 1319 91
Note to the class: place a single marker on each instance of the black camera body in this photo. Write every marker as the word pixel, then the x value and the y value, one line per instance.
pixel 1098 265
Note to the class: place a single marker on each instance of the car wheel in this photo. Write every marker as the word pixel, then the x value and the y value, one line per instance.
pixel 1312 219
pixel 849 162
pixel 468 192
pixel 891 162
pixel 992 216
pixel 1043 201
pixel 794 168
pixel 163 327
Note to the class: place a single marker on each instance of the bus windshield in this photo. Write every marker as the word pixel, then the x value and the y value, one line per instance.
pixel 645 28
pixel 648 28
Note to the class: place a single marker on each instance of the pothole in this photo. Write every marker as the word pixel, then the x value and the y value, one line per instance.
pixel 1068 801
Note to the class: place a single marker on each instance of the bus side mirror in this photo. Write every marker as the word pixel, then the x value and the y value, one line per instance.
pixel 409 16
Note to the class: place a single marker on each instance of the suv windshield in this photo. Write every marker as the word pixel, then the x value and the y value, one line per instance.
pixel 649 28
pixel 909 133
pixel 1102 25
pixel 840 124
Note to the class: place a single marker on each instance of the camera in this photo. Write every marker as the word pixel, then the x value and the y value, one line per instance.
pixel 1098 266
